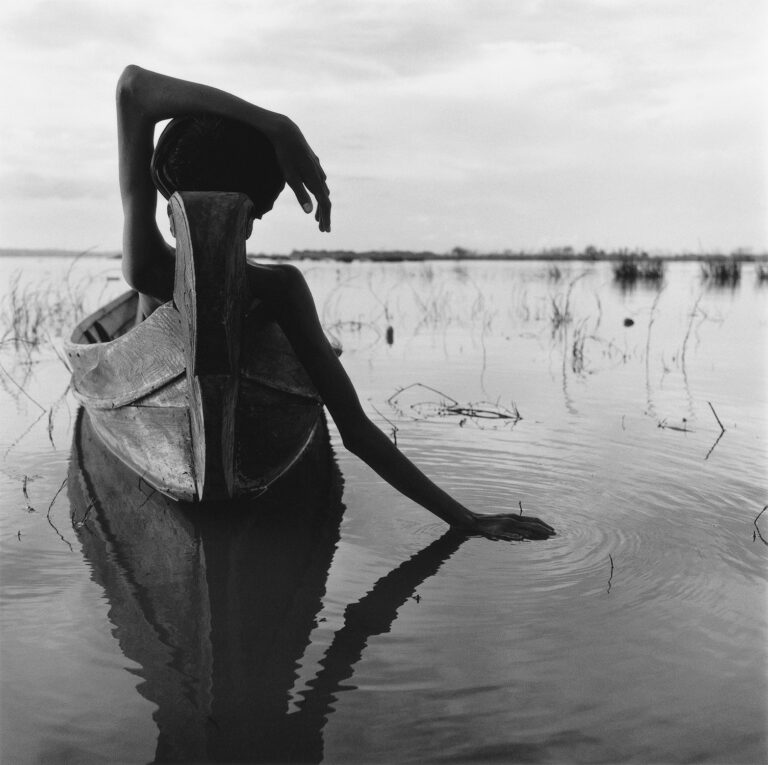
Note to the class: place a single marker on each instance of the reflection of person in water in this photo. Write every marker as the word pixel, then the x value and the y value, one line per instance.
pixel 218 142
pixel 218 608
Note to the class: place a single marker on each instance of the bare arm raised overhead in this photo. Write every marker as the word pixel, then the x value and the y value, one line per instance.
pixel 145 98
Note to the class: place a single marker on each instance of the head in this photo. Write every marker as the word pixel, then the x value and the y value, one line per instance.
pixel 208 153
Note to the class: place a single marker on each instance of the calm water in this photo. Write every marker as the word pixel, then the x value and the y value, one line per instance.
pixel 336 620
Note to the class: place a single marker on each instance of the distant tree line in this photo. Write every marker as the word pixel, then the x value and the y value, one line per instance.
pixel 589 253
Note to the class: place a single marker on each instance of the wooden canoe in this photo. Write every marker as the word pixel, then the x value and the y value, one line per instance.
pixel 204 399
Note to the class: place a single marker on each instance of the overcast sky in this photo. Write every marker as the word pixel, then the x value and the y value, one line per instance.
pixel 489 124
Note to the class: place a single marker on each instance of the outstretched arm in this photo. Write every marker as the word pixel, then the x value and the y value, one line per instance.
pixel 144 98
pixel 285 292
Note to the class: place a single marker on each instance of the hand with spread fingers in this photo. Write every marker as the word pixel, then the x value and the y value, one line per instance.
pixel 302 169
pixel 510 527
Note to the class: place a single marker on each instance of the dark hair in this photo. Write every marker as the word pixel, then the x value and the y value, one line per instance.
pixel 207 153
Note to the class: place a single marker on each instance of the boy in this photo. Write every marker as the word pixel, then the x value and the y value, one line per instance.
pixel 218 142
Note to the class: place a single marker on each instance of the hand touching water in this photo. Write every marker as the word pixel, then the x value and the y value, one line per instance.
pixel 510 527
pixel 302 170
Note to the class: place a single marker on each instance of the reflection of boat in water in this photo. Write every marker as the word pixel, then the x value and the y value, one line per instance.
pixel 205 399
pixel 218 608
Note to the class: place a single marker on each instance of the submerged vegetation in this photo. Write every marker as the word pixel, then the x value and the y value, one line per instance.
pixel 35 313
pixel 630 269
pixel 34 316
pixel 724 272
pixel 395 305
pixel 429 402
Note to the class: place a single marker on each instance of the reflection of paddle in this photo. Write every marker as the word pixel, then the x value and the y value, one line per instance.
pixel 372 615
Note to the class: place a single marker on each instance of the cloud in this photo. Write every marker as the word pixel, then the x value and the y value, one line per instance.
pixel 53 25
pixel 379 40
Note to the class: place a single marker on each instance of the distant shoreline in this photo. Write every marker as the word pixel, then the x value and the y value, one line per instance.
pixel 565 255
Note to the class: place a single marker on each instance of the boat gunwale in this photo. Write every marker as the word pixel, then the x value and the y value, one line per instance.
pixel 81 328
